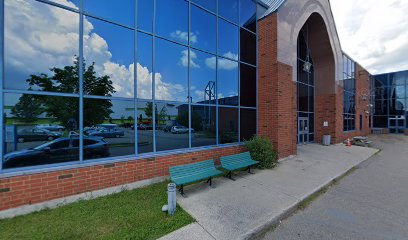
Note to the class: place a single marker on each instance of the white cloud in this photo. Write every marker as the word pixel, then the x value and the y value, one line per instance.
pixel 223 64
pixel 40 36
pixel 374 32
pixel 184 59
pixel 183 36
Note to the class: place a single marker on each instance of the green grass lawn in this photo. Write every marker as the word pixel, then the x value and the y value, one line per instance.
pixel 134 214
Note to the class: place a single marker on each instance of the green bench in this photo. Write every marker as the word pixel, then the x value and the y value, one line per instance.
pixel 237 161
pixel 189 173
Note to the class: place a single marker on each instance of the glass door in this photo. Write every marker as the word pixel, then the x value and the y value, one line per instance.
pixel 303 130
pixel 396 124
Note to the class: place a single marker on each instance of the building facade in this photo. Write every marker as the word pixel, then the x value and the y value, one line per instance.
pixel 391 99
pixel 101 94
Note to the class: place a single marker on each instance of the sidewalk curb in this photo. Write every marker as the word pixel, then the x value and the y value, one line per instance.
pixel 257 232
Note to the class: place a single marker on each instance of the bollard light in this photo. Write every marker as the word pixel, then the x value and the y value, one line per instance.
pixel 171 198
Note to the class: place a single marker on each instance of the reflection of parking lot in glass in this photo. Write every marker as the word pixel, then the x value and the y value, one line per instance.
pixel 36 145
pixel 169 141
pixel 122 146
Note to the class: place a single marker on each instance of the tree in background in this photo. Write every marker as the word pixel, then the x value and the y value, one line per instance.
pixel 159 116
pixel 66 80
pixel 28 108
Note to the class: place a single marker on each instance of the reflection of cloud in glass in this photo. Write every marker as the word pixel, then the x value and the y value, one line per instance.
pixel 183 36
pixel 41 36
pixel 223 63
pixel 184 59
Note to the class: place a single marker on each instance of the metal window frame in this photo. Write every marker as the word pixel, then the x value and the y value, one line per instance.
pixel 308 85
pixel 82 14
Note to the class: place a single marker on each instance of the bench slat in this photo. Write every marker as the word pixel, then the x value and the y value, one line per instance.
pixel 237 161
pixel 193 172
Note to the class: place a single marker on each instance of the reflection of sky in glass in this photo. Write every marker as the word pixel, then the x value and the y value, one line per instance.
pixel 70 3
pixel 208 4
pixel 204 26
pixel 109 9
pixel 145 15
pixel 227 82
pixel 228 9
pixel 201 75
pixel 115 61
pixel 171 64
pixel 247 12
pixel 145 61
pixel 227 39
pixel 44 41
pixel 172 19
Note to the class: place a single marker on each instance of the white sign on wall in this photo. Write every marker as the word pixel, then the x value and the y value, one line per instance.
pixel 326 124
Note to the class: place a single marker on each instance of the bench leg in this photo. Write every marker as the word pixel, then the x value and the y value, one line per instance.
pixel 229 175
pixel 249 170
pixel 181 190
pixel 209 181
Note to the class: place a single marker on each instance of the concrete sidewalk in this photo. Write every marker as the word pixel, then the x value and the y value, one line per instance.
pixel 240 209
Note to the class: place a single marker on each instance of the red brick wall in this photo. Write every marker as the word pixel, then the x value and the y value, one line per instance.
pixel 29 189
pixel 276 92
pixel 325 111
pixel 362 89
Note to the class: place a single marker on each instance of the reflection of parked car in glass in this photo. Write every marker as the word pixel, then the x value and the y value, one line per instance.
pixel 50 127
pixel 36 134
pixel 180 129
pixel 107 133
pixel 126 125
pixel 57 151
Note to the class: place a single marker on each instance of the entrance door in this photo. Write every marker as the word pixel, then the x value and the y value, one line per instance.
pixel 303 130
pixel 396 124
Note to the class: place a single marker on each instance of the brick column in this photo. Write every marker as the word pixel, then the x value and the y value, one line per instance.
pixel 276 92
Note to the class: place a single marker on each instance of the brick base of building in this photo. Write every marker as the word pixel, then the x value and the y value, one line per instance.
pixel 35 188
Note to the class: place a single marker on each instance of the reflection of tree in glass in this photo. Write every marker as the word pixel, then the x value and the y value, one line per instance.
pixel 27 108
pixel 66 80
pixel 160 117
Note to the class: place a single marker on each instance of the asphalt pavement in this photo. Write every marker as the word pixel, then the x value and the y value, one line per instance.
pixel 371 203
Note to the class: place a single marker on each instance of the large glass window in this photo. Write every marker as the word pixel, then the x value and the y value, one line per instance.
pixel 227 82
pixel 145 15
pixel 145 126
pixel 202 77
pixel 37 46
pixel 247 16
pixel 227 39
pixel 248 47
pixel 349 100
pixel 144 69
pixel 229 9
pixel 147 85
pixel 208 4
pixel 247 85
pixel 109 70
pixel 108 9
pixel 108 128
pixel 172 20
pixel 247 124
pixel 227 125
pixel 203 123
pixel 203 29
pixel 172 126
pixel 39 130
pixel 171 64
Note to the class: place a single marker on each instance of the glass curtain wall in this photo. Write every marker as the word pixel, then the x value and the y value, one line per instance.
pixel 391 99
pixel 349 98
pixel 88 80
pixel 305 89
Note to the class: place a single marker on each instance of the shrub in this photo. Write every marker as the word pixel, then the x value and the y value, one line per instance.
pixel 261 150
